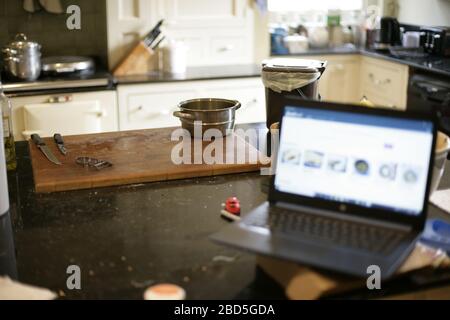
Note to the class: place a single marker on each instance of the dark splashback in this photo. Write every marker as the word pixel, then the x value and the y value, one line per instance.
pixel 51 32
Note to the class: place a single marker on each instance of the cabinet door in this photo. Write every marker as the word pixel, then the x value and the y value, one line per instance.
pixel 340 81
pixel 384 83
pixel 205 13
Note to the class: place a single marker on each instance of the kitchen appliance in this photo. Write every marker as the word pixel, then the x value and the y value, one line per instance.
pixel 92 112
pixel 4 198
pixel 44 149
pixel 214 113
pixel 436 40
pixel 411 39
pixel 427 92
pixel 287 76
pixel 349 216
pixel 137 157
pixel 387 34
pixel 22 58
pixel 60 65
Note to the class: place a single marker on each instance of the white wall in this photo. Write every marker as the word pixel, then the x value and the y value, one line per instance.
pixel 424 12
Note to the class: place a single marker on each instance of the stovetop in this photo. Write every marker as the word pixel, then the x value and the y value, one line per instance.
pixel 72 82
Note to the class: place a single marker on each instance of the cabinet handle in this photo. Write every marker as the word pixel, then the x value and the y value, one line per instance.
pixel 100 114
pixel 226 48
pixel 59 99
pixel 378 82
pixel 251 103
pixel 337 67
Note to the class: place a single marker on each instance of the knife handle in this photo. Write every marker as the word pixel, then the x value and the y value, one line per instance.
pixel 58 138
pixel 37 140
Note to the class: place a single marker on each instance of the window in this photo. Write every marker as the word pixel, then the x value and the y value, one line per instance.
pixel 315 5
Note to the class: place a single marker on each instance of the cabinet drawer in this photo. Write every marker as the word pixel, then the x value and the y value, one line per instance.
pixel 153 110
pixel 228 48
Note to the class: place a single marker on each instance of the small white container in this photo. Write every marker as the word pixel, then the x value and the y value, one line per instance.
pixel 174 57
pixel 296 43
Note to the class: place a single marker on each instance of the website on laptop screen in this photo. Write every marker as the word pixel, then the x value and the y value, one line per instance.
pixel 372 161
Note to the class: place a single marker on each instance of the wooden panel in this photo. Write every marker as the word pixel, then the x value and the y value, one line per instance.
pixel 137 157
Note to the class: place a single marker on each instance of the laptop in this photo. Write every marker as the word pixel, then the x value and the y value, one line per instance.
pixel 350 189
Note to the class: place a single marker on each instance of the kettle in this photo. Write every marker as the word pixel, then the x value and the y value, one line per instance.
pixel 387 34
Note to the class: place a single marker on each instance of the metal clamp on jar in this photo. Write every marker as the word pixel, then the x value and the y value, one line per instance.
pixel 22 58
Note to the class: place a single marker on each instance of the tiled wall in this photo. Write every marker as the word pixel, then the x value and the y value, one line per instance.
pixel 50 29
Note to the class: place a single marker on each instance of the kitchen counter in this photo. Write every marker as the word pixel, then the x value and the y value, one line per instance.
pixel 438 65
pixel 195 73
pixel 127 238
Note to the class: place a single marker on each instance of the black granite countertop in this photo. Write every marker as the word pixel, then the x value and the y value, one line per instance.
pixel 434 64
pixel 195 73
pixel 127 238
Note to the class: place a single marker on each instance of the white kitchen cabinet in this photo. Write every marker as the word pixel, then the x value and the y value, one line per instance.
pixel 340 81
pixel 85 112
pixel 350 77
pixel 146 106
pixel 216 32
pixel 384 83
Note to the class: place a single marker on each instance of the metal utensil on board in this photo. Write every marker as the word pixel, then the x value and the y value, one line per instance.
pixel 93 163
pixel 44 149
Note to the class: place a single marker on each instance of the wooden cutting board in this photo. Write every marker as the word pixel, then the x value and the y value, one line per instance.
pixel 137 157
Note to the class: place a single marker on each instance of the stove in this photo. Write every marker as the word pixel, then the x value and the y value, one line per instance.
pixel 77 81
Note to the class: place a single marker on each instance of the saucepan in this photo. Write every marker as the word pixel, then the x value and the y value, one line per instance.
pixel 22 58
pixel 214 113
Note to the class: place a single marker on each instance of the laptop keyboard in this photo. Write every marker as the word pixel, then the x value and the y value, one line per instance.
pixel 333 231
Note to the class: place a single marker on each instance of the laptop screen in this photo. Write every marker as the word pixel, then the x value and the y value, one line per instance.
pixel 367 160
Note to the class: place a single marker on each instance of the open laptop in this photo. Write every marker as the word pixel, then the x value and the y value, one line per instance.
pixel 350 190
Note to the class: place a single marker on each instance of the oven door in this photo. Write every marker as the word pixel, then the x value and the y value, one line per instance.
pixel 427 93
pixel 71 114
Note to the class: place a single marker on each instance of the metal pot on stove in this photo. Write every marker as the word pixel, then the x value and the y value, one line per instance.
pixel 22 58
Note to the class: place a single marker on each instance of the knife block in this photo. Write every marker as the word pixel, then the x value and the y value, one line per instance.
pixel 141 60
